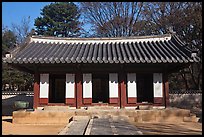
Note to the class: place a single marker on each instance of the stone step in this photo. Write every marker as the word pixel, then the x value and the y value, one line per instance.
pixel 101 107
pixel 191 118
pixel 145 107
pixel 57 108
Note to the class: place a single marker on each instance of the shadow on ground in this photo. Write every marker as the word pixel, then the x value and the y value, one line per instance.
pixel 7 120
pixel 169 129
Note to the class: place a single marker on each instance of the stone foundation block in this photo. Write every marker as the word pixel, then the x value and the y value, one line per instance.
pixel 41 117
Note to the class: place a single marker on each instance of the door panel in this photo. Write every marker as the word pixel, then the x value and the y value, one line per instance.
pixel 57 89
pixel 145 88
pixel 60 90
pixel 100 88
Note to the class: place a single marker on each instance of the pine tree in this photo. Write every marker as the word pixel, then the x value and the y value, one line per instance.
pixel 59 19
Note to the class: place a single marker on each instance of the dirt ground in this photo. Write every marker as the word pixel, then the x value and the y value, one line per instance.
pixel 184 128
pixel 8 128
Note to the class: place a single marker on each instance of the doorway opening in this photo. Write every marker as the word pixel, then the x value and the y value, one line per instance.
pixel 145 88
pixel 57 89
pixel 100 88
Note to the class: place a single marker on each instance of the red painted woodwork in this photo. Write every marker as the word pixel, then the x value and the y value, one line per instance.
pixel 43 101
pixel 56 104
pixel 122 100
pixel 36 90
pixel 87 100
pixel 166 89
pixel 119 94
pixel 70 102
pixel 132 100
pixel 123 89
pixel 78 90
pixel 113 100
pixel 158 101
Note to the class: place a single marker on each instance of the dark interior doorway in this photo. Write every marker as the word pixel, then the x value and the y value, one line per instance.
pixel 57 89
pixel 100 88
pixel 145 88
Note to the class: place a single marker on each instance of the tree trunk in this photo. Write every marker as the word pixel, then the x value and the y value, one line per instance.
pixel 185 80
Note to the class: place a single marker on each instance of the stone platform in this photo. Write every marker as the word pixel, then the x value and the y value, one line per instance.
pixel 63 115
pixel 42 117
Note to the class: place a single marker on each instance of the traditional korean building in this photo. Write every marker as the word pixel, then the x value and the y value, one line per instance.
pixel 120 72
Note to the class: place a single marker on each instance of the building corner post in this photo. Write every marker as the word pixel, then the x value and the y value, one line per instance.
pixel 78 90
pixel 36 90
pixel 166 90
pixel 123 94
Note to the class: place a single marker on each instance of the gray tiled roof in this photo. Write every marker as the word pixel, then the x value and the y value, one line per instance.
pixel 107 50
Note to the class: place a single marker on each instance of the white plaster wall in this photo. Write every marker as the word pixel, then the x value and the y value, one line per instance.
pixel 131 85
pixel 44 85
pixel 87 85
pixel 113 85
pixel 70 85
pixel 157 84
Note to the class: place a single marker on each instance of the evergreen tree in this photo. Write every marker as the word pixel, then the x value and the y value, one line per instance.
pixel 59 19
pixel 8 40
pixel 12 78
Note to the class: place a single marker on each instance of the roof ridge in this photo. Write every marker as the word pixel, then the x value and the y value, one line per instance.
pixel 102 38
pixel 43 39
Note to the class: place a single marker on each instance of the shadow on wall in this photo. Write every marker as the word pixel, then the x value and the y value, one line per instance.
pixel 8 103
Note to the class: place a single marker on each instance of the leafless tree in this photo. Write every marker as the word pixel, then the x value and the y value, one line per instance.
pixel 186 20
pixel 115 19
pixel 22 30
pixel 112 19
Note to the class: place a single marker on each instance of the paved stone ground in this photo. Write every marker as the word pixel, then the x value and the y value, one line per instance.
pixel 110 126
pixel 100 126
pixel 125 128
pixel 76 127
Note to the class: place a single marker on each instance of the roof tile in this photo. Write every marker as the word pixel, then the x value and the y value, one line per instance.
pixel 149 50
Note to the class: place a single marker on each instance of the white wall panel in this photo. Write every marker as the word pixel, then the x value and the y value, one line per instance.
pixel 131 85
pixel 157 83
pixel 44 85
pixel 87 85
pixel 70 85
pixel 113 85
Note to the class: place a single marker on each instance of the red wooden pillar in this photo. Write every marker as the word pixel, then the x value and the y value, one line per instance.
pixel 78 90
pixel 166 90
pixel 119 92
pixel 36 90
pixel 123 94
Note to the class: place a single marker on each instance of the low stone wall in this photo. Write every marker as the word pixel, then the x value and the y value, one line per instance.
pixel 152 115
pixel 187 101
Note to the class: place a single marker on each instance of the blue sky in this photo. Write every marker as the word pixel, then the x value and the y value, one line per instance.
pixel 13 12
